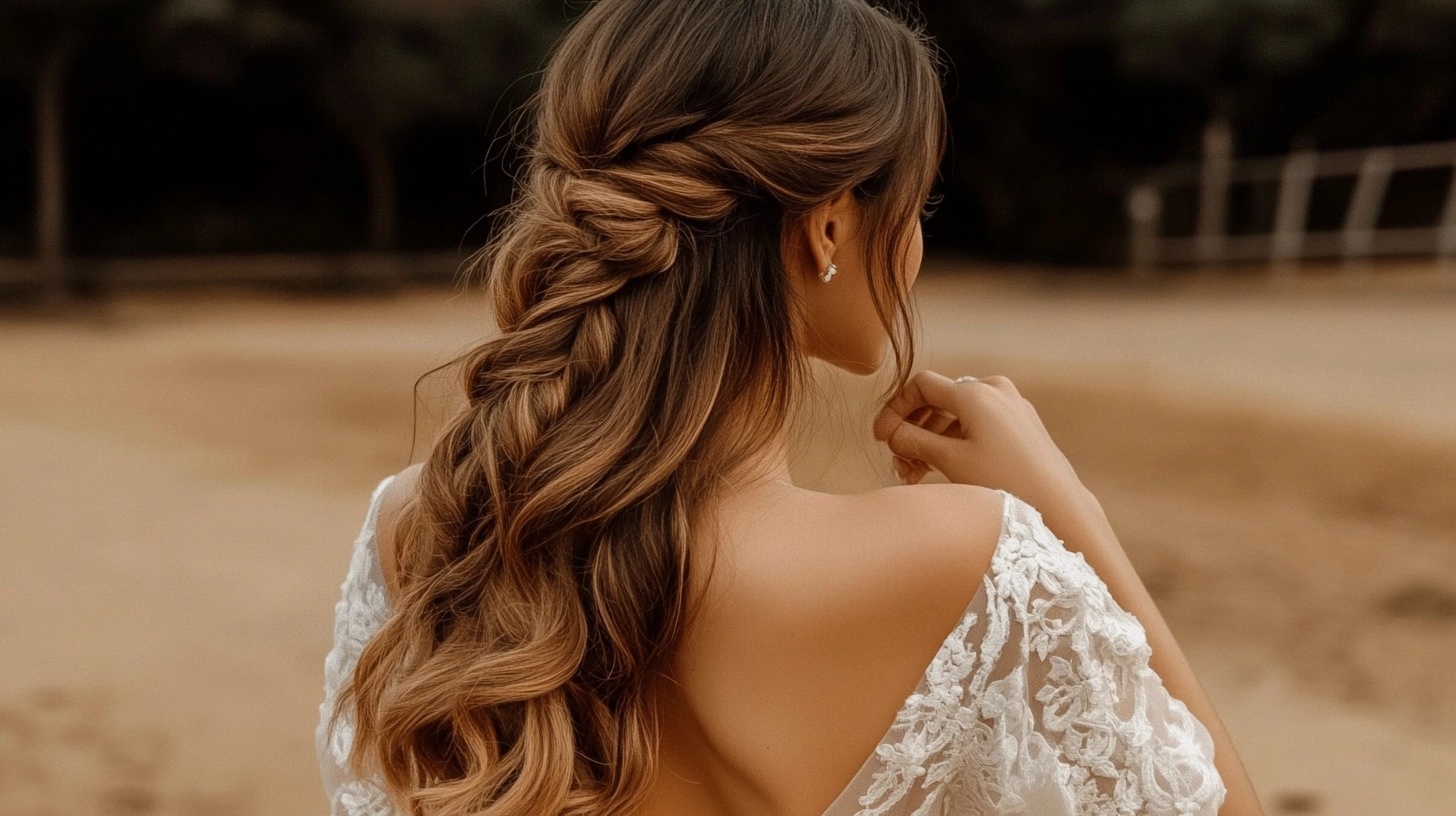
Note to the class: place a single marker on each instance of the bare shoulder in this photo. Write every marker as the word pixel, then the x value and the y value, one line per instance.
pixel 924 546
pixel 834 608
pixel 897 565
pixel 401 488
pixel 945 520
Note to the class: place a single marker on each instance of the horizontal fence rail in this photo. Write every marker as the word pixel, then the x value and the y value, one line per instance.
pixel 1289 241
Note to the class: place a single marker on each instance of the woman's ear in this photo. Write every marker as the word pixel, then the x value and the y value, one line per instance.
pixel 823 229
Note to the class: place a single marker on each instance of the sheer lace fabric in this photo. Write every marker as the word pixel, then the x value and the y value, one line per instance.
pixel 360 612
pixel 1041 701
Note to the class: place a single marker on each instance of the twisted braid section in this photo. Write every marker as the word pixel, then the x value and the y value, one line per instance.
pixel 578 237
pixel 587 228
pixel 591 230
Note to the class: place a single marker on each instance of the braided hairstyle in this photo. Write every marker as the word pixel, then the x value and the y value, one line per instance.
pixel 646 346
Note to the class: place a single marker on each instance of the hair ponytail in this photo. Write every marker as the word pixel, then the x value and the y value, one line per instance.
pixel 646 347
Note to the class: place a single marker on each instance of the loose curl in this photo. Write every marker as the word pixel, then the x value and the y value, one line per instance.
pixel 646 348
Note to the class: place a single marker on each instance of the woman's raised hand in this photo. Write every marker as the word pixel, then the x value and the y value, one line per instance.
pixel 981 432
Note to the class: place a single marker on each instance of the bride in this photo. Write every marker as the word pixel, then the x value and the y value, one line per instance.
pixel 601 593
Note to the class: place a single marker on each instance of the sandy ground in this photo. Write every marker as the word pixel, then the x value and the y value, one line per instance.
pixel 181 477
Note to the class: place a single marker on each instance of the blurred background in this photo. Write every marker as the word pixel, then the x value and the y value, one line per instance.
pixel 1214 241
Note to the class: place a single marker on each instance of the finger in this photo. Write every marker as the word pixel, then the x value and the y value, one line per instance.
pixel 925 415
pixel 912 472
pixel 910 441
pixel 902 468
pixel 922 415
pixel 939 423
pixel 926 388
pixel 905 467
pixel 1002 382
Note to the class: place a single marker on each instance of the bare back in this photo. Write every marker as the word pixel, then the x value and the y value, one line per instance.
pixel 821 616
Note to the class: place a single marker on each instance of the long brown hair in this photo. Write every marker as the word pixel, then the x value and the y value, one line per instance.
pixel 646 346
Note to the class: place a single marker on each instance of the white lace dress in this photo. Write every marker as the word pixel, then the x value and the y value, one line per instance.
pixel 1040 701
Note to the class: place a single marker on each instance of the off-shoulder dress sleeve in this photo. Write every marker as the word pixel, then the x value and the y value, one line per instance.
pixel 1041 702
pixel 360 612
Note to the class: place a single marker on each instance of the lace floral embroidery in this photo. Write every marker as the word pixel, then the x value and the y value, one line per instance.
pixel 360 612
pixel 1083 727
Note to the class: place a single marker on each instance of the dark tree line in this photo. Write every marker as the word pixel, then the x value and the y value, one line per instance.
pixel 187 109
pixel 163 126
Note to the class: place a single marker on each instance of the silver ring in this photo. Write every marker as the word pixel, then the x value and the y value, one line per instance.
pixel 967 378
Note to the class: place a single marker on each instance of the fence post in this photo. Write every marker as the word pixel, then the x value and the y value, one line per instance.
pixel 1293 209
pixel 1210 244
pixel 1144 211
pixel 1357 238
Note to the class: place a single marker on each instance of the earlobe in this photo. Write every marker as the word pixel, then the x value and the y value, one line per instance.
pixel 823 230
pixel 830 232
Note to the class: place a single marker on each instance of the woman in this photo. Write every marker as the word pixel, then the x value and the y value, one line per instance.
pixel 602 594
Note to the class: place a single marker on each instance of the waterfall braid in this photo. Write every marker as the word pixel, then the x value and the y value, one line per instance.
pixel 646 347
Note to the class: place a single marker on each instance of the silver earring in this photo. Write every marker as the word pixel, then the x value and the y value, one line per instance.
pixel 828 274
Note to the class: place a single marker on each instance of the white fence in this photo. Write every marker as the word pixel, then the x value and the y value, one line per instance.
pixel 1359 237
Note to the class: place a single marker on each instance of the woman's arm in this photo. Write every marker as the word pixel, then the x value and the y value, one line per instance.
pixel 984 432
pixel 1081 523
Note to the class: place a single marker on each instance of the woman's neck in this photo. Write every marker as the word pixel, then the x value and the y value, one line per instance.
pixel 768 467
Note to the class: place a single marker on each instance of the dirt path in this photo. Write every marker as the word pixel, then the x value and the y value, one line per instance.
pixel 182 477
